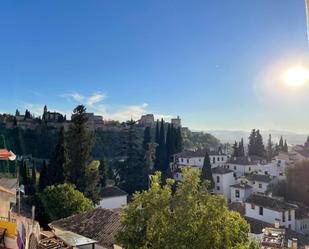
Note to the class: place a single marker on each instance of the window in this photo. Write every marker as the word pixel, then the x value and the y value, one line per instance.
pixel 218 178
pixel 218 159
pixel 182 160
pixel 290 226
pixel 218 188
pixel 283 216
pixel 260 185
pixel 235 167
pixel 266 172
pixel 187 160
pixel 252 206
pixel 237 193
pixel 249 168
pixel 222 159
pixel 234 174
pixel 213 160
pixel 261 211
pixel 289 215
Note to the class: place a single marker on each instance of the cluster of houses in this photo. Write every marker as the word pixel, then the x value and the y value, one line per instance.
pixel 246 183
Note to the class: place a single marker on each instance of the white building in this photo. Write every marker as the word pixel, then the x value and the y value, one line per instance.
pixel 260 183
pixel 240 192
pixel 244 165
pixel 302 219
pixel 270 210
pixel 223 179
pixel 196 159
pixel 113 198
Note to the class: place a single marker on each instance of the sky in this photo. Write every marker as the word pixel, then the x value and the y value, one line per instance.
pixel 216 64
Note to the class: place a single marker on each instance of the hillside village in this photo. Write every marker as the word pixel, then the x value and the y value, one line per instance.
pixel 246 176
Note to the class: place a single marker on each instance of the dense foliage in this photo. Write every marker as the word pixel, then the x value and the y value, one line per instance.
pixel 189 218
pixel 72 201
pixel 296 185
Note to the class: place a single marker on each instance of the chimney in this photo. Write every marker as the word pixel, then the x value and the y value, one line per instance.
pixel 294 243
pixel 277 223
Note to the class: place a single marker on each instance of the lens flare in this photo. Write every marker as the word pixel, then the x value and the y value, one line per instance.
pixel 296 77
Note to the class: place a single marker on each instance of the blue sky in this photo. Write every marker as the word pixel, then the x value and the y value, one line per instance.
pixel 217 64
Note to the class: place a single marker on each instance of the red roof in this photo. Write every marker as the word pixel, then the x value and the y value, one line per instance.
pixel 5 154
pixel 4 190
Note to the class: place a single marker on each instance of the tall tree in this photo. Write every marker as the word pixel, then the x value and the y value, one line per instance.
pixel 270 150
pixel 80 142
pixel 285 146
pixel 162 148
pixel 281 144
pixel 307 143
pixel 132 170
pixel 206 173
pixel 43 180
pixel 58 161
pixel 251 144
pixel 92 181
pixel 241 148
pixel 235 150
pixel 147 138
pixel 260 149
pixel 103 173
pixel 178 140
pixel 157 141
pixel 190 218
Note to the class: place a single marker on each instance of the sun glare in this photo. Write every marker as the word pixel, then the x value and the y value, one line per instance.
pixel 296 77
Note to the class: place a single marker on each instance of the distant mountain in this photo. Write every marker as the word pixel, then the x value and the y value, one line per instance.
pixel 227 136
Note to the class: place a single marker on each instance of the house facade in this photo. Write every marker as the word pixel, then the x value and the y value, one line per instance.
pixel 223 179
pixel 240 192
pixel 271 210
pixel 113 198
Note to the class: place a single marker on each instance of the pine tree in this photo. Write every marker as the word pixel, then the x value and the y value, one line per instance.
pixel 79 145
pixel 206 173
pixel 43 177
pixel 58 161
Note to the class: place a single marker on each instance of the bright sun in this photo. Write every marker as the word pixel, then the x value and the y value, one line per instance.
pixel 296 77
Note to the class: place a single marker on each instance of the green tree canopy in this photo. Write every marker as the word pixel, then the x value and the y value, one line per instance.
pixel 63 200
pixel 189 218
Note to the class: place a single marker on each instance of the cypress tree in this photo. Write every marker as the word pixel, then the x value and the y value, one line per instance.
pixel 79 146
pixel 103 174
pixel 270 152
pixel 162 148
pixel 259 149
pixel 241 148
pixel 206 173
pixel 43 177
pixel 147 138
pixel 285 146
pixel 251 144
pixel 178 140
pixel 281 144
pixel 235 150
pixel 55 174
pixel 157 141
